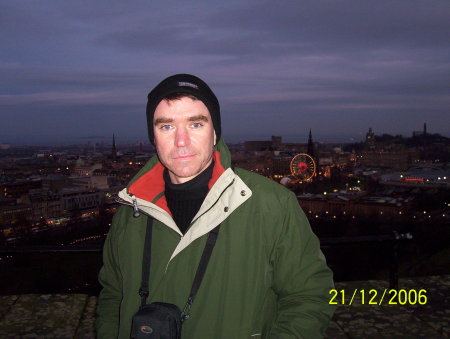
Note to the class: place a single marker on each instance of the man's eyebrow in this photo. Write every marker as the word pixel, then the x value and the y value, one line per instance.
pixel 199 117
pixel 162 121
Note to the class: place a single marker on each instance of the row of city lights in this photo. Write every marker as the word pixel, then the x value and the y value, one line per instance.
pixel 93 237
pixel 381 213
pixel 7 257
pixel 439 178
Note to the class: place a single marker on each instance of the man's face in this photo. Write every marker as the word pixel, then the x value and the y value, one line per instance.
pixel 184 137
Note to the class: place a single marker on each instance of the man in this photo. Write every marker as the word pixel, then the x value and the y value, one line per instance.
pixel 266 277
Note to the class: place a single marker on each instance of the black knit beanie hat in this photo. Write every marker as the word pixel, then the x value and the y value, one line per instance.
pixel 188 84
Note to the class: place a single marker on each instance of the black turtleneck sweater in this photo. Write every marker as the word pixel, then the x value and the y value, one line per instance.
pixel 184 200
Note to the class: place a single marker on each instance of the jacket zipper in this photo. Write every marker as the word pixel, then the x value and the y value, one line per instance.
pixel 134 204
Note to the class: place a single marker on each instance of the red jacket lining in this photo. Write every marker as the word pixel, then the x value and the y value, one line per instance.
pixel 149 185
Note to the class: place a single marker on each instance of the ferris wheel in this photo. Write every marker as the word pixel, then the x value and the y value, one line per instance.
pixel 303 166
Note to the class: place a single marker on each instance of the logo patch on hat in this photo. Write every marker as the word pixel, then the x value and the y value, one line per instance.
pixel 187 84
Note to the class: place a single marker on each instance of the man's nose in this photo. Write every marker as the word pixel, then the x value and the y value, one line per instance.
pixel 182 137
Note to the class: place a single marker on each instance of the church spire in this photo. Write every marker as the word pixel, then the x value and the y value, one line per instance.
pixel 114 150
pixel 310 150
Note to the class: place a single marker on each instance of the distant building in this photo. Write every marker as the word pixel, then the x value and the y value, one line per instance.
pixel 19 188
pixel 310 150
pixel 261 164
pixel 79 199
pixel 55 183
pixel 101 182
pixel 258 146
pixel 434 176
pixel 384 154
pixel 281 165
pixel 7 201
pixel 381 159
pixel 15 219
pixel 114 150
pixel 420 133
pixel 81 169
pixel 45 205
pixel 275 144
pixel 370 139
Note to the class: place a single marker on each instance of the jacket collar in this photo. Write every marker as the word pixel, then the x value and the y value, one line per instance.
pixel 150 185
pixel 227 192
pixel 147 186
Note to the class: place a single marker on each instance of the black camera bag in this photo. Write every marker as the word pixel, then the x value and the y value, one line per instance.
pixel 157 320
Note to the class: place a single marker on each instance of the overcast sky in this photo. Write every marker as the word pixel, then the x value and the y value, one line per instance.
pixel 73 71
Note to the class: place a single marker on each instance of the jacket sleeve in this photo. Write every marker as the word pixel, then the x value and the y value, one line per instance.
pixel 302 279
pixel 110 277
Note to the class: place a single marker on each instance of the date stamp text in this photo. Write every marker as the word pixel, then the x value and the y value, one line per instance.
pixel 378 297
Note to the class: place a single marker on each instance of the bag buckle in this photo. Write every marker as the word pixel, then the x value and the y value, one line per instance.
pixel 143 293
pixel 186 314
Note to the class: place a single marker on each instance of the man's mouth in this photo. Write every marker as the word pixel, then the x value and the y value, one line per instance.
pixel 184 157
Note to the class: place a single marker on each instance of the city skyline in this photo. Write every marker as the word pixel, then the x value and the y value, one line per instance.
pixel 299 138
pixel 72 71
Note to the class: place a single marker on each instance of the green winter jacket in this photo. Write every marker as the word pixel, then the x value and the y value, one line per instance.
pixel 266 278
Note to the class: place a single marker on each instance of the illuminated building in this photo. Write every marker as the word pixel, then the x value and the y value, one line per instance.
pixel 78 199
pixel 19 188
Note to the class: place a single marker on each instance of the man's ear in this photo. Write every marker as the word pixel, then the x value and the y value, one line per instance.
pixel 215 138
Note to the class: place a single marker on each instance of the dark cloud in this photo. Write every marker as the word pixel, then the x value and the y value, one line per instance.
pixel 267 28
pixel 79 68
pixel 18 78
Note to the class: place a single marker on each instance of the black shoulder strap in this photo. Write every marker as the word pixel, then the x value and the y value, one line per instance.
pixel 146 261
pixel 210 242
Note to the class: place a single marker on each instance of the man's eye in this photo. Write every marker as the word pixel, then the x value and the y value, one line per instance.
pixel 196 125
pixel 165 127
